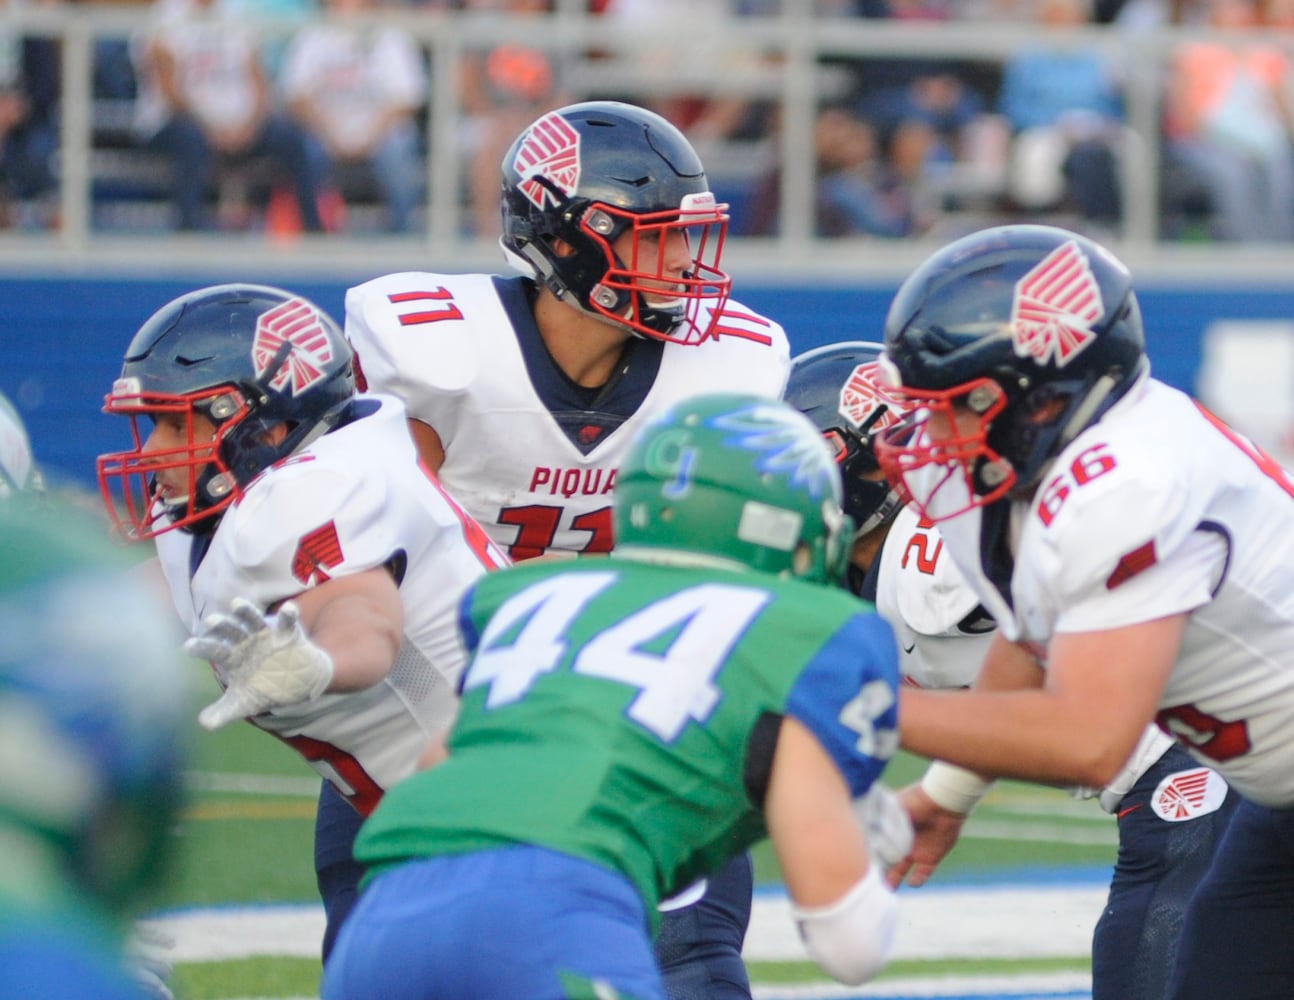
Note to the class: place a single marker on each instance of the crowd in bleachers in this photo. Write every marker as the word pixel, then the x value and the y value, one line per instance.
pixel 205 119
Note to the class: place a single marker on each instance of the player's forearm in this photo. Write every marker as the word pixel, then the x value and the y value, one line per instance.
pixel 363 643
pixel 1029 735
pixel 359 622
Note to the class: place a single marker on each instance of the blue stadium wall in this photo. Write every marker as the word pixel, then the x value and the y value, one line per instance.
pixel 63 341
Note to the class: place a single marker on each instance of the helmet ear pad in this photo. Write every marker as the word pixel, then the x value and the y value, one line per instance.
pixel 580 262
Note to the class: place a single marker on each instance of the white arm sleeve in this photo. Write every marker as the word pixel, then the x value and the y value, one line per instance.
pixel 851 939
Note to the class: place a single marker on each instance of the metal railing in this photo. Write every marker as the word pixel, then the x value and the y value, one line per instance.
pixel 794 53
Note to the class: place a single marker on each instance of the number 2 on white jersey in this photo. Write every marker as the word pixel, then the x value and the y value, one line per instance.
pixel 669 650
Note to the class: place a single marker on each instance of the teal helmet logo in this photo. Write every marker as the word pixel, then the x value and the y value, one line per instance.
pixel 740 480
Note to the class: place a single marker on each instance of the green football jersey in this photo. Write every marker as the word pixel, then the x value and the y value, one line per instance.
pixel 625 712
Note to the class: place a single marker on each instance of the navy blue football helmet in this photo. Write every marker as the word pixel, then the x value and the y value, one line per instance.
pixel 268 368
pixel 1008 342
pixel 840 389
pixel 581 177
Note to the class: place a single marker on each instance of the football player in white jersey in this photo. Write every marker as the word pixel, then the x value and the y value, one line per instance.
pixel 314 562
pixel 1136 553
pixel 1170 811
pixel 524 391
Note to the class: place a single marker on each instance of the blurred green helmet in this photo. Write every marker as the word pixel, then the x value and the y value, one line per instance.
pixel 94 705
pixel 734 480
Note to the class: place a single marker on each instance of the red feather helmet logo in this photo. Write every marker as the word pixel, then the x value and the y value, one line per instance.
pixel 1056 305
pixel 295 323
pixel 551 151
pixel 863 393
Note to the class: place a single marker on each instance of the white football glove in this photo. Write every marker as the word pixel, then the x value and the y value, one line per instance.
pixel 265 661
pixel 886 822
pixel 148 960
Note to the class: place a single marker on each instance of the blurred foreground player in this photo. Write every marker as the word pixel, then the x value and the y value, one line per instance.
pixel 93 712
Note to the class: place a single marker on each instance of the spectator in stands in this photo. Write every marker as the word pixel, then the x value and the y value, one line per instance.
pixel 730 122
pixel 503 89
pixel 858 192
pixel 356 90
pixel 930 114
pixel 1063 103
pixel 297 13
pixel 29 127
pixel 703 41
pixel 206 98
pixel 1227 124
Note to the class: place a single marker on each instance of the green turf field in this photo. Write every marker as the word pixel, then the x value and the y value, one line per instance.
pixel 246 837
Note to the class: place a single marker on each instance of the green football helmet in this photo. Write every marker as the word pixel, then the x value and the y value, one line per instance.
pixel 94 709
pixel 738 481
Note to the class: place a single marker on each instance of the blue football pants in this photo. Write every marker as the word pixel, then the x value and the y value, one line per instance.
pixel 512 922
pixel 699 946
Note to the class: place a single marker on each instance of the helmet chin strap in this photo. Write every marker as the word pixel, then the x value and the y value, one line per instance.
pixel 889 507
pixel 1085 410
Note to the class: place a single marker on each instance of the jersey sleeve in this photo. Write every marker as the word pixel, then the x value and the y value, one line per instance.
pixel 923 595
pixel 1107 569
pixel 762 335
pixel 919 582
pixel 1178 581
pixel 847 697
pixel 412 338
pixel 305 525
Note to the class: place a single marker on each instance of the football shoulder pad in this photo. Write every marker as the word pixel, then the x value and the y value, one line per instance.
pixel 920 581
pixel 417 331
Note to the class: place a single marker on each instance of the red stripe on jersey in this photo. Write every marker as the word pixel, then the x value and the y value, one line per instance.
pixel 344 771
pixel 1137 561
pixel 731 331
pixel 478 540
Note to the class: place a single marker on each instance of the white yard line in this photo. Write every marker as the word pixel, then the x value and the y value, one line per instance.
pixel 1033 986
pixel 1005 921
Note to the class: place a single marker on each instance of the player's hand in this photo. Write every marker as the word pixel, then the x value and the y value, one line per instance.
pixel 265 661
pixel 148 960
pixel 936 831
pixel 886 822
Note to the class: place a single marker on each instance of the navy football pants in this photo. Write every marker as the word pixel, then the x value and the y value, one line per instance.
pixel 337 873
pixel 1159 865
pixel 1238 941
